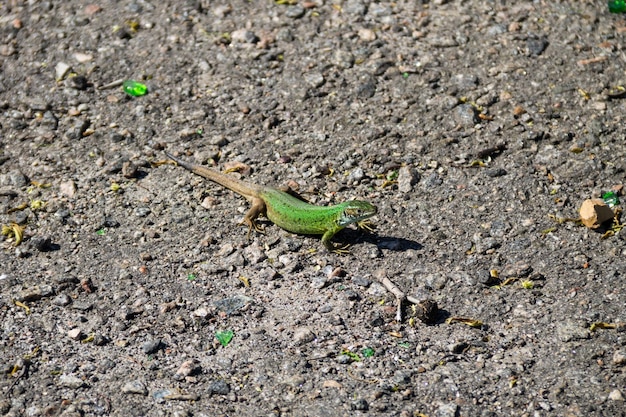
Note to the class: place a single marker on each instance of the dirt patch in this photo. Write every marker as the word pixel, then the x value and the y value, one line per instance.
pixel 473 126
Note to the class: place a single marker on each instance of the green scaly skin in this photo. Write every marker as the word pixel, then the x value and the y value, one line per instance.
pixel 287 211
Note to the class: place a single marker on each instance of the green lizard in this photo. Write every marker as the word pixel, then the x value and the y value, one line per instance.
pixel 287 211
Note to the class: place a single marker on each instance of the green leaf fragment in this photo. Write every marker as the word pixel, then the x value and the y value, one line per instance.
pixel 134 88
pixel 367 352
pixel 393 175
pixel 224 337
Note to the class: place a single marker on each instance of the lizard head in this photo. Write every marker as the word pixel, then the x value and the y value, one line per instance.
pixel 356 211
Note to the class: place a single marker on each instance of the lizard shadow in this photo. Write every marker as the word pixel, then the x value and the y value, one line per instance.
pixel 396 244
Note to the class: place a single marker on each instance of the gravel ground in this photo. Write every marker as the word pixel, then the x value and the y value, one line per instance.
pixel 472 125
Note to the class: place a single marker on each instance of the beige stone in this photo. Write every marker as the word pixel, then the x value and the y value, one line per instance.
pixel 594 212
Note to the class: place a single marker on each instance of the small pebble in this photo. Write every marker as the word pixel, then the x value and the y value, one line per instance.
pixel 82 58
pixel 35 293
pixel 343 359
pixel 129 170
pixel 232 304
pixel 201 313
pixel 219 387
pixel 78 82
pixel 465 115
pixel 68 188
pixel 222 10
pixel 303 335
pixel 61 300
pixel 76 131
pixel 324 309
pixel 142 211
pixel 537 45
pixel 366 89
pixel 318 282
pixel 295 12
pixel 75 334
pixel 151 346
pixel 60 70
pixel 243 36
pixel 367 35
pixel 188 368
pixel 447 410
pixel 41 243
pixel 407 178
pixel 343 59
pixel 7 50
pixel 356 175
pixel 616 395
pixel 570 330
pixel 619 358
pixel 13 178
pixel 314 79
pixel 495 172
pixel 135 387
pixel 352 295
pixel 360 405
pixel 110 222
pixel 71 381
pixel 427 310
pixel 361 281
pixel 377 290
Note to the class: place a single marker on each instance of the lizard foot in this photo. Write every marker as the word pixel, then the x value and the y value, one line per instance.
pixel 252 225
pixel 339 249
pixel 366 225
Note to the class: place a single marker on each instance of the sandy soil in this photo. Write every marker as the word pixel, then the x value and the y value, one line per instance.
pixel 473 126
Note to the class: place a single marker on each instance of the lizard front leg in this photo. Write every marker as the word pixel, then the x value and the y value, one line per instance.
pixel 332 247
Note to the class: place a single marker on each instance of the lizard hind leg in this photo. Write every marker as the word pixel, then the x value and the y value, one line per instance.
pixel 252 225
pixel 258 207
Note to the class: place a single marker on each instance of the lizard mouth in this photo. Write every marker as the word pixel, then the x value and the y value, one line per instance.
pixel 357 213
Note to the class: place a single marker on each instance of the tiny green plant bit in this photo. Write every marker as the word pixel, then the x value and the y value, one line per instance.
pixel 134 88
pixel 354 356
pixel 37 205
pixel 367 352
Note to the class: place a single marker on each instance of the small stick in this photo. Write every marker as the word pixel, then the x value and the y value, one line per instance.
pixel 110 85
pixel 393 288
